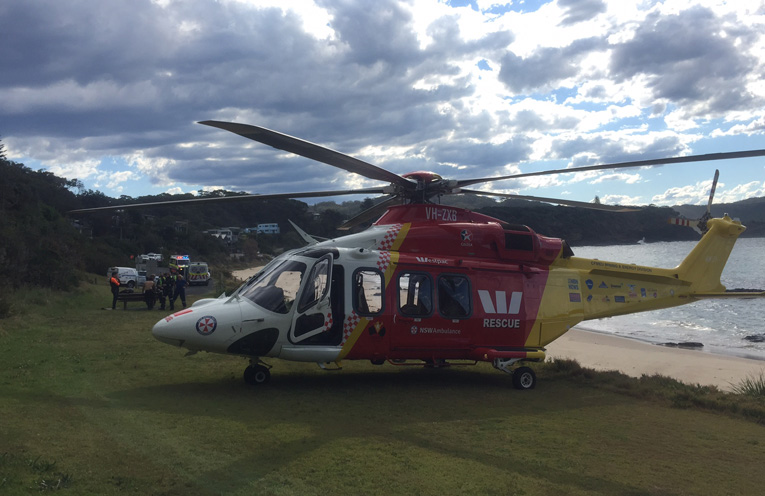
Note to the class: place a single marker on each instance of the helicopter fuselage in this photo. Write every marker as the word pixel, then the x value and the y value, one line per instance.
pixel 435 283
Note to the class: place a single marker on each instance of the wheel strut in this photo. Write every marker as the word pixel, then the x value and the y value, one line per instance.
pixel 257 372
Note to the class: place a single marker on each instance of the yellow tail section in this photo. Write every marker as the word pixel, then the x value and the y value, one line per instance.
pixel 705 263
pixel 580 289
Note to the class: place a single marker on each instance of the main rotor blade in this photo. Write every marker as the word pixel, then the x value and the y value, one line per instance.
pixel 372 213
pixel 571 203
pixel 312 151
pixel 273 196
pixel 636 163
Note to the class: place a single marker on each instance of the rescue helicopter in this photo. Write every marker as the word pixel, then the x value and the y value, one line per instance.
pixel 431 284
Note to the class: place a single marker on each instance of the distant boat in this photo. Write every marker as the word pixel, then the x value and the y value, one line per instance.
pixel 642 241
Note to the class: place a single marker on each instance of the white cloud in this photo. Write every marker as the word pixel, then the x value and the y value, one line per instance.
pixel 620 200
pixel 621 177
pixel 397 84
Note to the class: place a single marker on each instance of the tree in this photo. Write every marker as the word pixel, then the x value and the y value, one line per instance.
pixel 366 204
pixel 596 201
pixel 2 150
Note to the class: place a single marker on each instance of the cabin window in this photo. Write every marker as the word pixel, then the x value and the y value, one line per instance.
pixel 367 292
pixel 415 294
pixel 454 296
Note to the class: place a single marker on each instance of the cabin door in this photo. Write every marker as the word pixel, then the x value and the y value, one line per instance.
pixel 314 321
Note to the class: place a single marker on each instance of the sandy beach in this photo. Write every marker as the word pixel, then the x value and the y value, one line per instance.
pixel 607 352
pixel 601 351
pixel 245 274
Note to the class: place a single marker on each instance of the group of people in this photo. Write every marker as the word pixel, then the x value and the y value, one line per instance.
pixel 164 288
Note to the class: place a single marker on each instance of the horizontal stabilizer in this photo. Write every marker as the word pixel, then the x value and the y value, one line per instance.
pixel 734 293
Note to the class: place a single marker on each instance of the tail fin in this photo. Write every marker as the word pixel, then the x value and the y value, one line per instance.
pixel 703 266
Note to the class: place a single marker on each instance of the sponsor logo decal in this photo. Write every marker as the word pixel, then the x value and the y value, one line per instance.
pixel 589 298
pixel 500 298
pixel 589 283
pixel 500 305
pixel 573 284
pixel 575 297
pixel 642 292
pixel 438 261
pixel 413 330
pixel 206 325
pixel 619 299
pixel 467 238
pixel 603 285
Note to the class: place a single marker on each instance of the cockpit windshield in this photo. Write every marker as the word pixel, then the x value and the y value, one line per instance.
pixel 276 288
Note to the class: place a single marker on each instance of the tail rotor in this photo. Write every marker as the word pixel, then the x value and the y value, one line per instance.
pixel 699 225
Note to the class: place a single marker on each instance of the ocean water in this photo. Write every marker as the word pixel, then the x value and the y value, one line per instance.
pixel 720 324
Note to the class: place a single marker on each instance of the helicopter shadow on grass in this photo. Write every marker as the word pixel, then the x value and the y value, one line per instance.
pixel 386 406
pixel 395 407
pixel 438 389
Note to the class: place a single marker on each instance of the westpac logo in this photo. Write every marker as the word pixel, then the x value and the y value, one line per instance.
pixel 431 260
pixel 500 305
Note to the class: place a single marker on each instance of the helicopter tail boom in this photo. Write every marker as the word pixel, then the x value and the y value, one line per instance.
pixel 704 265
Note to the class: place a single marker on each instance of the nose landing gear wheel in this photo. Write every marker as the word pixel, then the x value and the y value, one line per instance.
pixel 256 374
pixel 524 378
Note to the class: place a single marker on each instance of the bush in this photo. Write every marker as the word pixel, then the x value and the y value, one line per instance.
pixel 753 385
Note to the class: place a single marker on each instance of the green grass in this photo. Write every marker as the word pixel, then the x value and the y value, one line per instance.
pixel 90 403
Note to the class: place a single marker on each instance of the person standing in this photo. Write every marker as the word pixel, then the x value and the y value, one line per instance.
pixel 180 289
pixel 149 294
pixel 114 282
pixel 159 285
pixel 167 287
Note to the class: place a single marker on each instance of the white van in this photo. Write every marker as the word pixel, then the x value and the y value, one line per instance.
pixel 128 276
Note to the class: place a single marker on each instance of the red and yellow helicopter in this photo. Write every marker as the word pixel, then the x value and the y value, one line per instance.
pixel 433 283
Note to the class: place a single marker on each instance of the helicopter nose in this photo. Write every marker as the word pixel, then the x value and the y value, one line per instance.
pixel 171 329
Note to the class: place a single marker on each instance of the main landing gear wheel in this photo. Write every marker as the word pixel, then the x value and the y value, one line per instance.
pixel 257 374
pixel 524 378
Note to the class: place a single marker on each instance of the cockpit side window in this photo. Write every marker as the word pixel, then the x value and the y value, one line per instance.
pixel 316 285
pixel 277 289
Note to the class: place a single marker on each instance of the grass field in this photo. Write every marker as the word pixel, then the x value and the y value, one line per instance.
pixel 91 403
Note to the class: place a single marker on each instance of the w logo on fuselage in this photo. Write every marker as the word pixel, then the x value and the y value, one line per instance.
pixel 500 304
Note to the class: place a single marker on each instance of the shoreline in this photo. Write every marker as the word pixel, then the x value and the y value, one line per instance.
pixel 635 357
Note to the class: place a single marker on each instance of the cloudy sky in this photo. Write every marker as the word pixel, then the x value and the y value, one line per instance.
pixel 108 92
